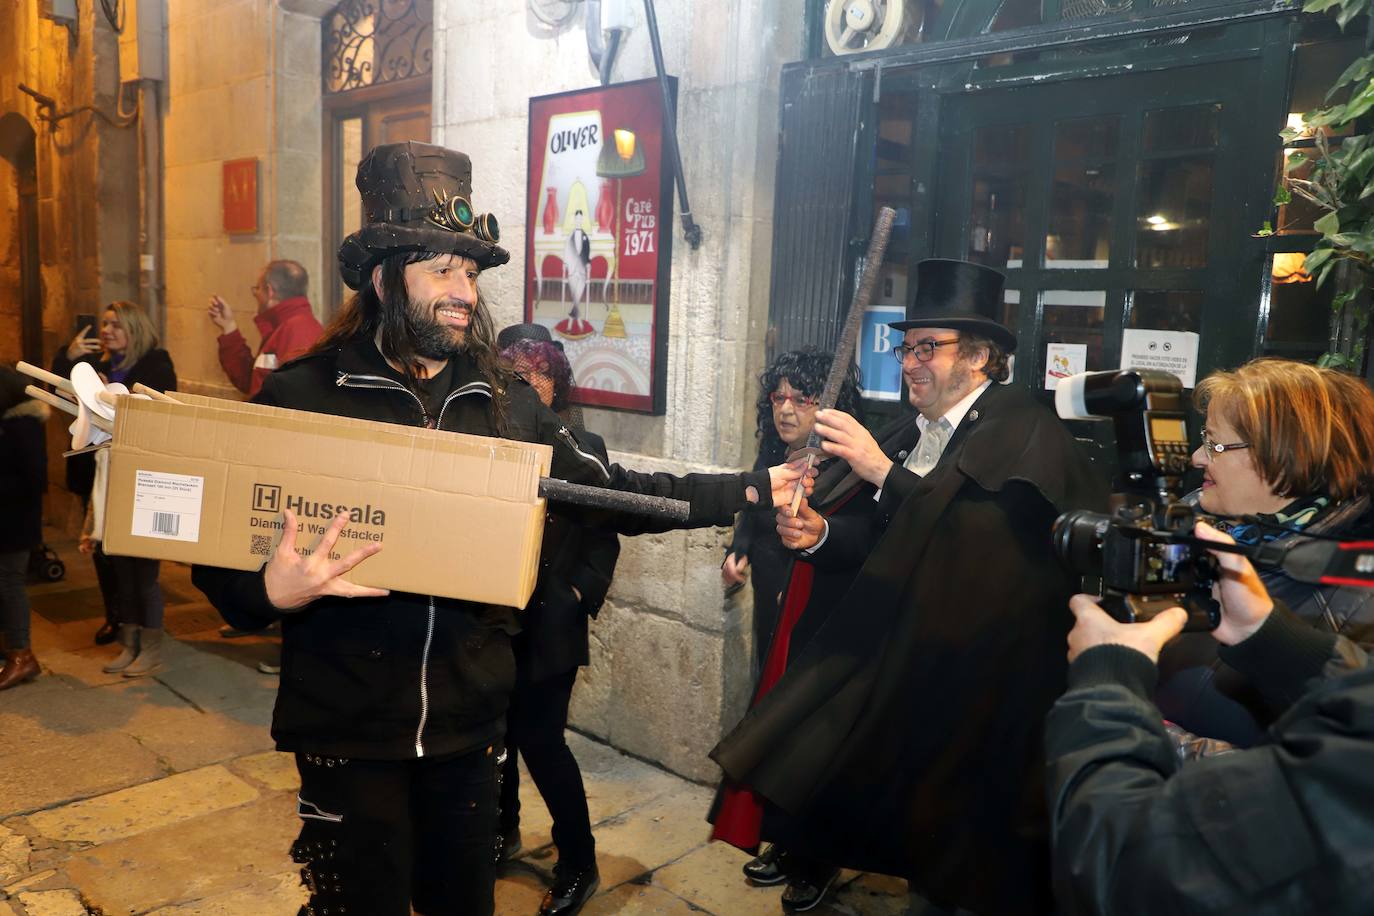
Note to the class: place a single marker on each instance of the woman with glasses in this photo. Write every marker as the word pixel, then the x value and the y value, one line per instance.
pixel 1287 451
pixel 789 393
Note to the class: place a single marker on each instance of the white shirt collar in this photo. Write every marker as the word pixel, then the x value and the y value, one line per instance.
pixel 955 414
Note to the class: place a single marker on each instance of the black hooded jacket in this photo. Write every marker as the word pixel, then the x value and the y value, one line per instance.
pixel 1277 829
pixel 412 675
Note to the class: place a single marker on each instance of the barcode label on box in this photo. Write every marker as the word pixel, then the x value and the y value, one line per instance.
pixel 167 506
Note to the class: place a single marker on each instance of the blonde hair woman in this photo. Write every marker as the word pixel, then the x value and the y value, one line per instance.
pixel 1287 451
pixel 126 350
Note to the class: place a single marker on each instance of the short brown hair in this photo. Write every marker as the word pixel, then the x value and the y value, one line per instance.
pixel 998 366
pixel 1310 430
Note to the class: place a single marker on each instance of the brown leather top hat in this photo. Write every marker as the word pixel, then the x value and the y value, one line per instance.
pixel 417 197
pixel 960 295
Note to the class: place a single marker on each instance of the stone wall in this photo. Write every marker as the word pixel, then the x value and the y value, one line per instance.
pixel 87 179
pixel 670 656
pixel 243 82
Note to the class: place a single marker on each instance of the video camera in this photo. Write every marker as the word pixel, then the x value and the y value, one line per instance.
pixel 1136 549
pixel 1145 551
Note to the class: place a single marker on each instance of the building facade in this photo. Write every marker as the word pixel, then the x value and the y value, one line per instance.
pixel 1115 159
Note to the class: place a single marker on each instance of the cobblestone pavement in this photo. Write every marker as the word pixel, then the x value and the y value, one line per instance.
pixel 163 795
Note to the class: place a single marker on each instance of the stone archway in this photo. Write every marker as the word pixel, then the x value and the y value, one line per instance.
pixel 19 275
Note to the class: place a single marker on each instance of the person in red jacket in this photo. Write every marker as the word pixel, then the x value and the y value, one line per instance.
pixel 288 326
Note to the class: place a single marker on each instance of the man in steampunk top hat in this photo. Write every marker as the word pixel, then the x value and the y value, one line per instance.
pixel 394 703
pixel 905 739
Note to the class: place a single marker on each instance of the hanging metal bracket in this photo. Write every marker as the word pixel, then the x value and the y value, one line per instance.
pixel 690 229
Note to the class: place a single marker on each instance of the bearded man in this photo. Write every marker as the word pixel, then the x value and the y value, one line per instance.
pixel 394 703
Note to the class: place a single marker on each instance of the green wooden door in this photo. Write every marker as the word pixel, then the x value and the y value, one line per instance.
pixel 1112 204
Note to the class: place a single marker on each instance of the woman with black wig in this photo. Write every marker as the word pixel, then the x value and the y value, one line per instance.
pixel 789 394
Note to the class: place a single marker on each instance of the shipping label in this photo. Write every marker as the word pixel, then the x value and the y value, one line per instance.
pixel 167 506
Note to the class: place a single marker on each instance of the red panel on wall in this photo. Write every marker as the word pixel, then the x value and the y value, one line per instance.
pixel 240 196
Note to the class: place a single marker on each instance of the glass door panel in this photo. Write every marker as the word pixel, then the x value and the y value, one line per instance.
pixel 1001 176
pixel 1166 309
pixel 1076 316
pixel 1082 194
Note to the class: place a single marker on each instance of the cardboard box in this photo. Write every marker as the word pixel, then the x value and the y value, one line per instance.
pixel 206 480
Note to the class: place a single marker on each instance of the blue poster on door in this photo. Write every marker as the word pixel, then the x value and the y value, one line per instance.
pixel 880 376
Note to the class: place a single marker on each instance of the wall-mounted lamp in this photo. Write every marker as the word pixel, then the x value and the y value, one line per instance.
pixel 1288 268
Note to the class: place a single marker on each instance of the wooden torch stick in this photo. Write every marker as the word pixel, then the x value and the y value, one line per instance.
pixel 849 338
pixel 140 388
pixel 43 375
pixel 52 400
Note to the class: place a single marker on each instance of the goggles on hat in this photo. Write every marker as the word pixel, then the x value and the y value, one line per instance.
pixel 456 214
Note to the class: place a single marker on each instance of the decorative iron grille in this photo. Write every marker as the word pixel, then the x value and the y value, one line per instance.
pixel 1091 9
pixel 367 42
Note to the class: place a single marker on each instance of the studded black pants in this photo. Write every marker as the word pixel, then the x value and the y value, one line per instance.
pixel 379 837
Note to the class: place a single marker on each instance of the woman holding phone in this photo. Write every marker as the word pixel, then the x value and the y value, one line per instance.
pixel 124 350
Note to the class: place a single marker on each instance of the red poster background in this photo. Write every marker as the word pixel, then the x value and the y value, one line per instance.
pixel 641 241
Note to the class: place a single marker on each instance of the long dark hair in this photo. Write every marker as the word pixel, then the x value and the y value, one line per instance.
pixel 805 370
pixel 364 314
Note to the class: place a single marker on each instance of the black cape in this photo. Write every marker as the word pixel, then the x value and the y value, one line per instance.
pixel 906 737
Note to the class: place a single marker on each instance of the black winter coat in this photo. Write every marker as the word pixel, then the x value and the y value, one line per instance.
pixel 413 675
pixel 1283 828
pixel 23 475
pixel 553 637
pixel 153 369
pixel 846 500
pixel 905 738
pixel 756 538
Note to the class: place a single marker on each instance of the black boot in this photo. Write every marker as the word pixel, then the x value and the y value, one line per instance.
pixel 807 889
pixel 572 887
pixel 768 868
pixel 108 633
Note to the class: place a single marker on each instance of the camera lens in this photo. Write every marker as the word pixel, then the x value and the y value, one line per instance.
pixel 1078 540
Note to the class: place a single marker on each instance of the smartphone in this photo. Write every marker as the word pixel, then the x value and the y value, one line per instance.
pixel 87 322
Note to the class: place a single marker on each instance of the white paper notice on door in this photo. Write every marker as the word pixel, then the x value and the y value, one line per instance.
pixel 1167 351
pixel 1063 360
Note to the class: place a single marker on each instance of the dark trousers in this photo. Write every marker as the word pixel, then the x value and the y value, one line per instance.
pixel 14 599
pixel 379 836
pixel 130 589
pixel 535 726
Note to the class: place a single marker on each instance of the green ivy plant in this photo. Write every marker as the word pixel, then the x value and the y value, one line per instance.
pixel 1341 182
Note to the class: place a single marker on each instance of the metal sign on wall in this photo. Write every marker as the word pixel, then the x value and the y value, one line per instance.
pixel 598 239
pixel 239 194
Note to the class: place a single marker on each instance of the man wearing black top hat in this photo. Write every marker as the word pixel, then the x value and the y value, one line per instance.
pixel 394 703
pixel 906 737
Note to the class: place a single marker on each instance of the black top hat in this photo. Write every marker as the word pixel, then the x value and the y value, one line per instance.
pixel 960 295
pixel 417 197
pixel 515 332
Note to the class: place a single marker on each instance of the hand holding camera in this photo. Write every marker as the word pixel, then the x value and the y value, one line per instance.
pixel 1245 606
pixel 1245 603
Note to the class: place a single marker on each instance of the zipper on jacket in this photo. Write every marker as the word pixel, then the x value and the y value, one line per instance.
pixel 345 380
pixel 572 444
pixel 424 684
pixel 348 380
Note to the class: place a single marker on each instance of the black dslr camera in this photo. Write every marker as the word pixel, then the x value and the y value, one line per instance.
pixel 1143 568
